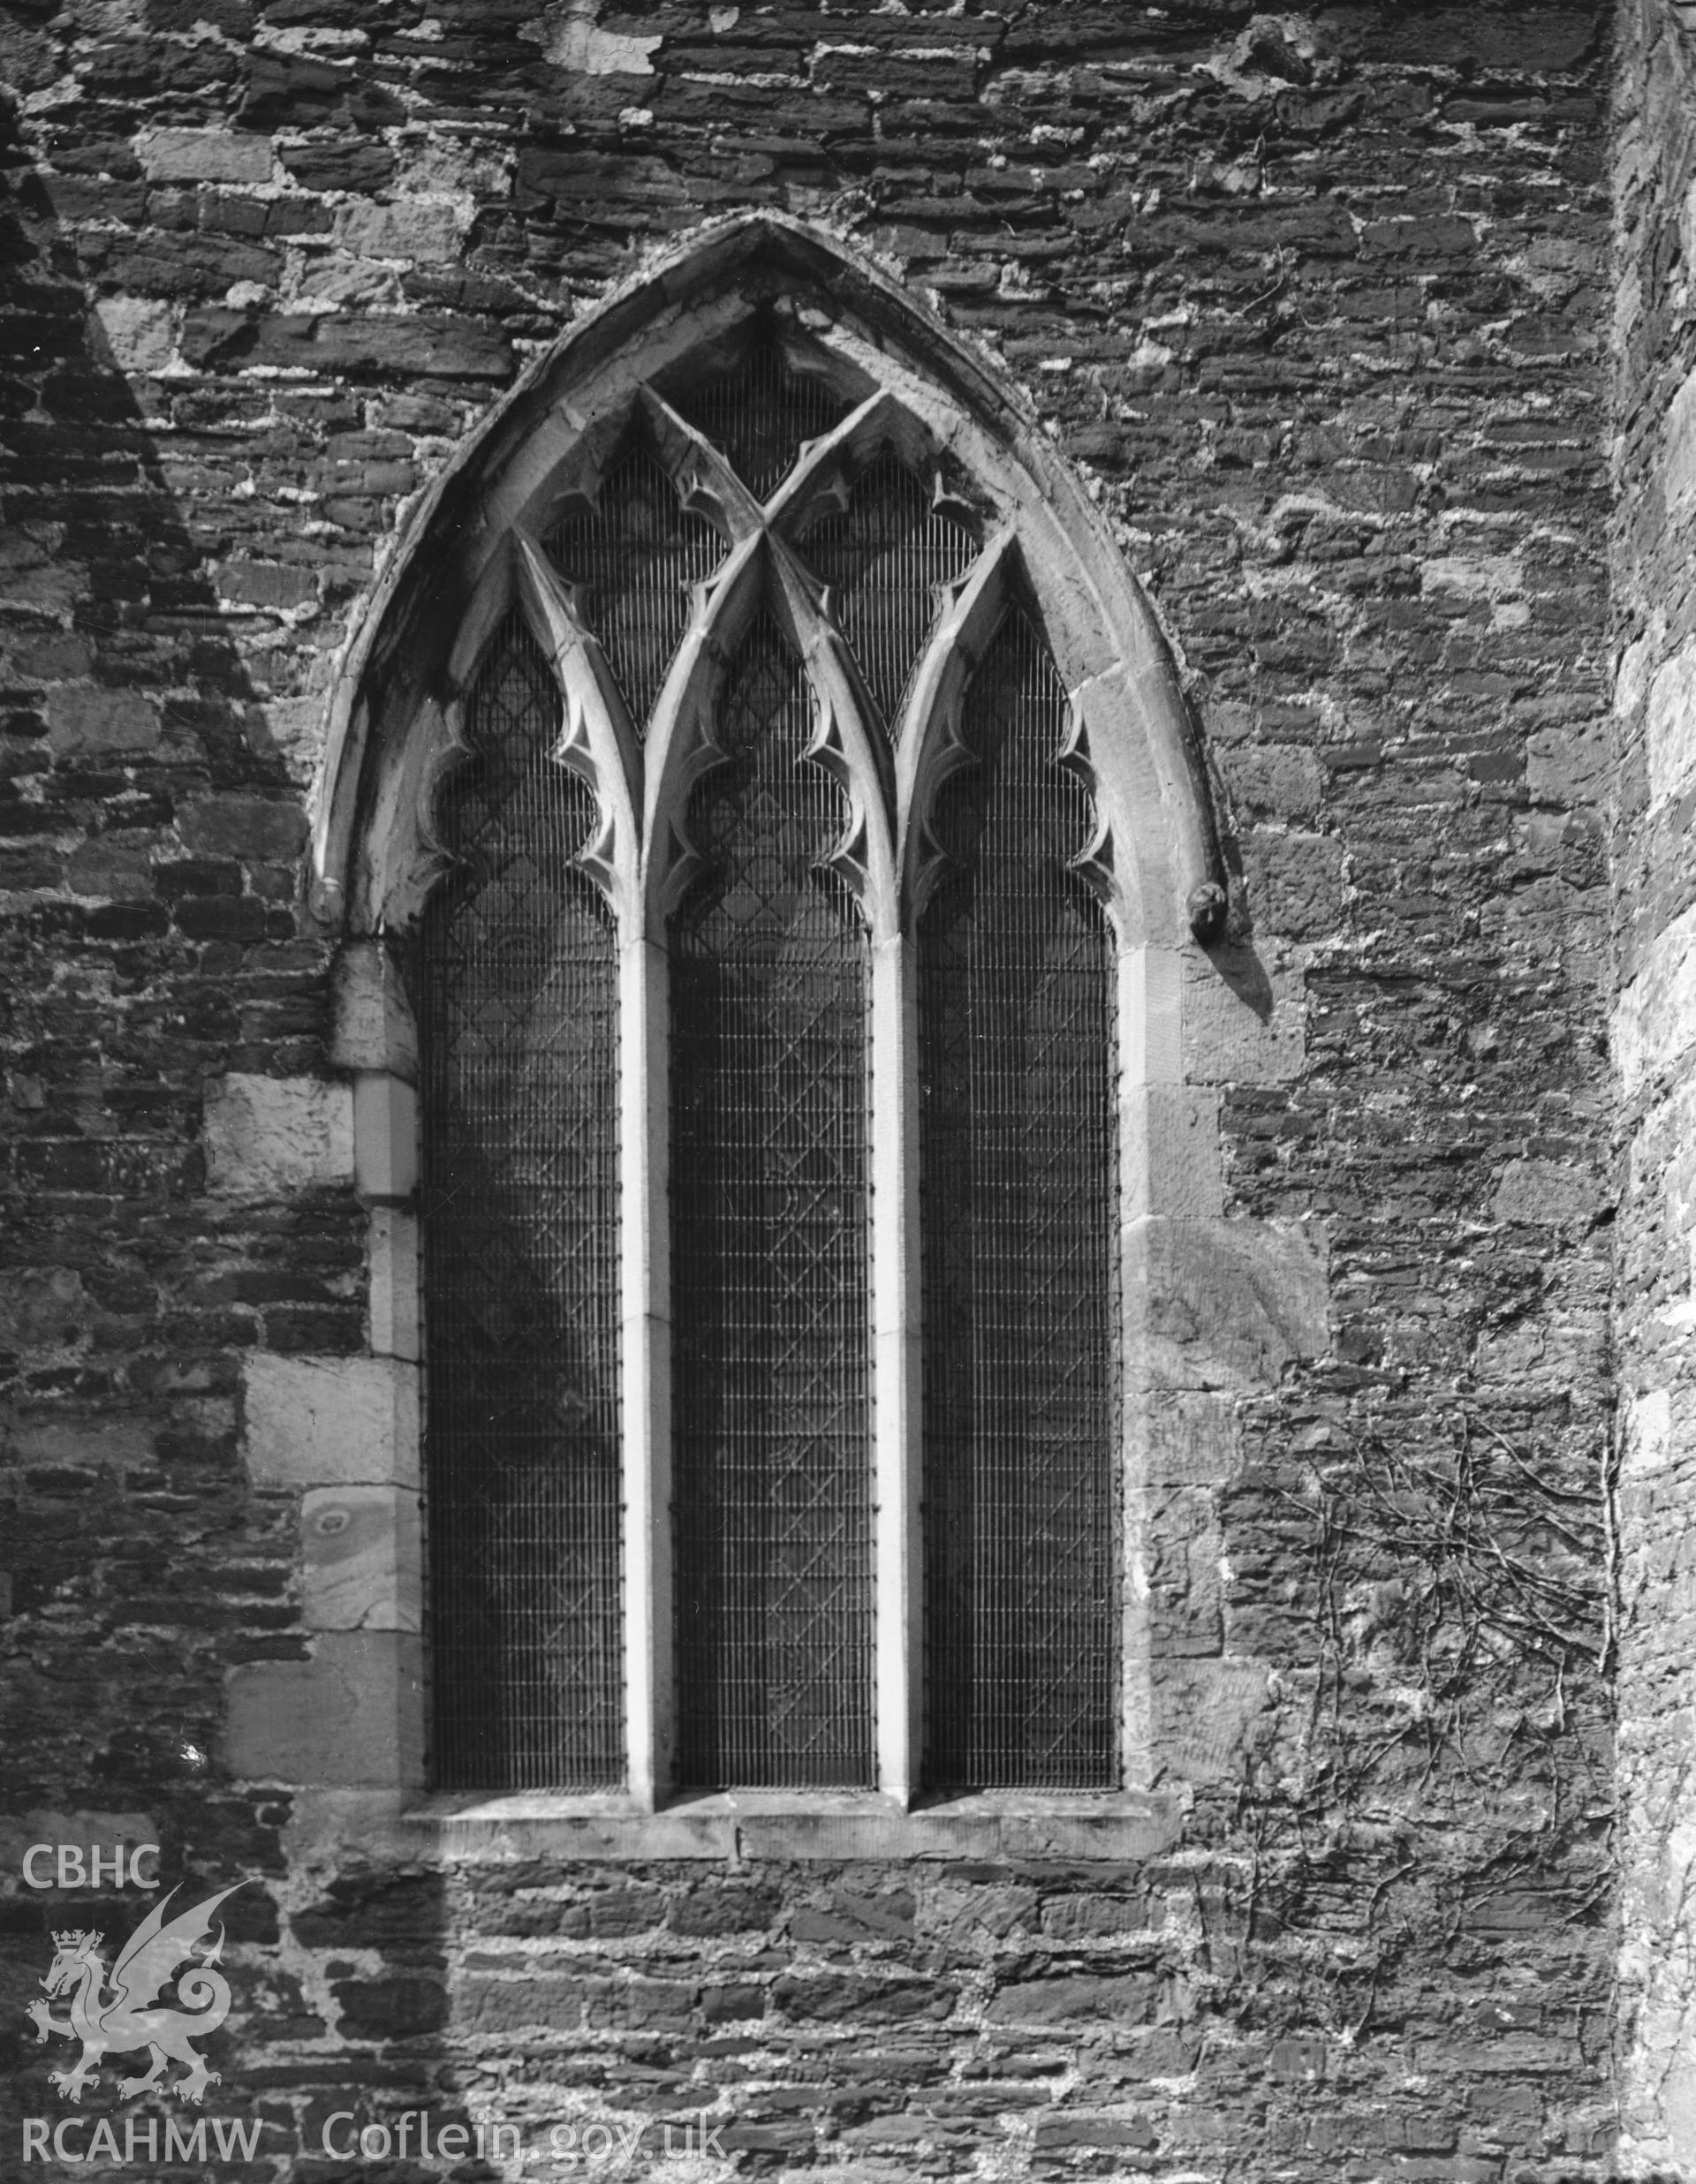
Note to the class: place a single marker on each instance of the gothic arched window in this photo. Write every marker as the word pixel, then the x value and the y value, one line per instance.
pixel 771 914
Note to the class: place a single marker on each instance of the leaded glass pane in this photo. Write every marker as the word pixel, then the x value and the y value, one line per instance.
pixel 517 994
pixel 636 554
pixel 761 412
pixel 1018 1194
pixel 883 556
pixel 771 1434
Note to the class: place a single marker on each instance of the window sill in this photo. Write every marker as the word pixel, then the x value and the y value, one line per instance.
pixel 745 1827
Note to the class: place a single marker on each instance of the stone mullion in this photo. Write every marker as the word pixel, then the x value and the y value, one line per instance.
pixel 895 1361
pixel 645 1363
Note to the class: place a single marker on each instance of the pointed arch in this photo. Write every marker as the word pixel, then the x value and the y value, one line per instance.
pixel 863 335
pixel 856 377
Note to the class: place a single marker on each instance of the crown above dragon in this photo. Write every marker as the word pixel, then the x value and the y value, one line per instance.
pixel 75 1940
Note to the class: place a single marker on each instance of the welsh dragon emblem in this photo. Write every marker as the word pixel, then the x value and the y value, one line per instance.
pixel 133 2016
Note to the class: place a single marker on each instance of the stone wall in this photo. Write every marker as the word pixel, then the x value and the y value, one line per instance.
pixel 1318 305
pixel 1654 165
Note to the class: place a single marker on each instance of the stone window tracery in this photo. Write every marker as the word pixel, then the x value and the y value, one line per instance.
pixel 868 832
pixel 728 619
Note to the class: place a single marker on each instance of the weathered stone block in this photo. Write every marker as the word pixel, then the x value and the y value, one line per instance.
pixel 266 1136
pixel 412 230
pixel 203 155
pixel 83 721
pixel 681 1832
pixel 391 2009
pixel 90 1444
pixel 1058 2133
pixel 1141 2056
pixel 1140 1827
pixel 440 347
pixel 1087 1918
pixel 372 1025
pixel 572 40
pixel 1649 1443
pixel 1474 576
pixel 1244 1016
pixel 385 1138
pixel 1171 1153
pixel 1125 1999
pixel 1569 764
pixel 1208 1715
pixel 1659 2092
pixel 331 1421
pixel 293 728
pixel 543 2000
pixel 1301 2056
pixel 360 1558
pixel 331 166
pixel 1282 779
pixel 1556 1192
pixel 618 1911
pixel 267 829
pixel 394 1293
pixel 1183 1437
pixel 351 1714
pixel 44 1309
pixel 266 584
pixel 1555 1350
pixel 1662 1158
pixel 24 869
pixel 140 331
pixel 730 1909
pixel 1671 726
pixel 1228 1304
pixel 639 2004
pixel 110 871
pixel 1678 470
pixel 1656 1020
pixel 1295 883
pixel 836 1997
pixel 373 1910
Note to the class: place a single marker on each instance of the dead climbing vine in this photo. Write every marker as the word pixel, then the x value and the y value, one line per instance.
pixel 1447 1775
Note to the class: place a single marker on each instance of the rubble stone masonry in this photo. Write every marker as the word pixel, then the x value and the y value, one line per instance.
pixel 1654 168
pixel 1320 305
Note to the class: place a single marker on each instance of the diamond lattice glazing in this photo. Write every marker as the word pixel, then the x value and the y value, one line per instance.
pixel 771 1434
pixel 517 997
pixel 1018 1203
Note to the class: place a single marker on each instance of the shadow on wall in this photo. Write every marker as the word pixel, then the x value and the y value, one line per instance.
pixel 150 884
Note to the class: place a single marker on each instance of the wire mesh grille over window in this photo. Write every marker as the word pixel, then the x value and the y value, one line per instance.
pixel 760 414
pixel 517 987
pixel 1018 1193
pixel 883 555
pixel 636 553
pixel 771 1432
